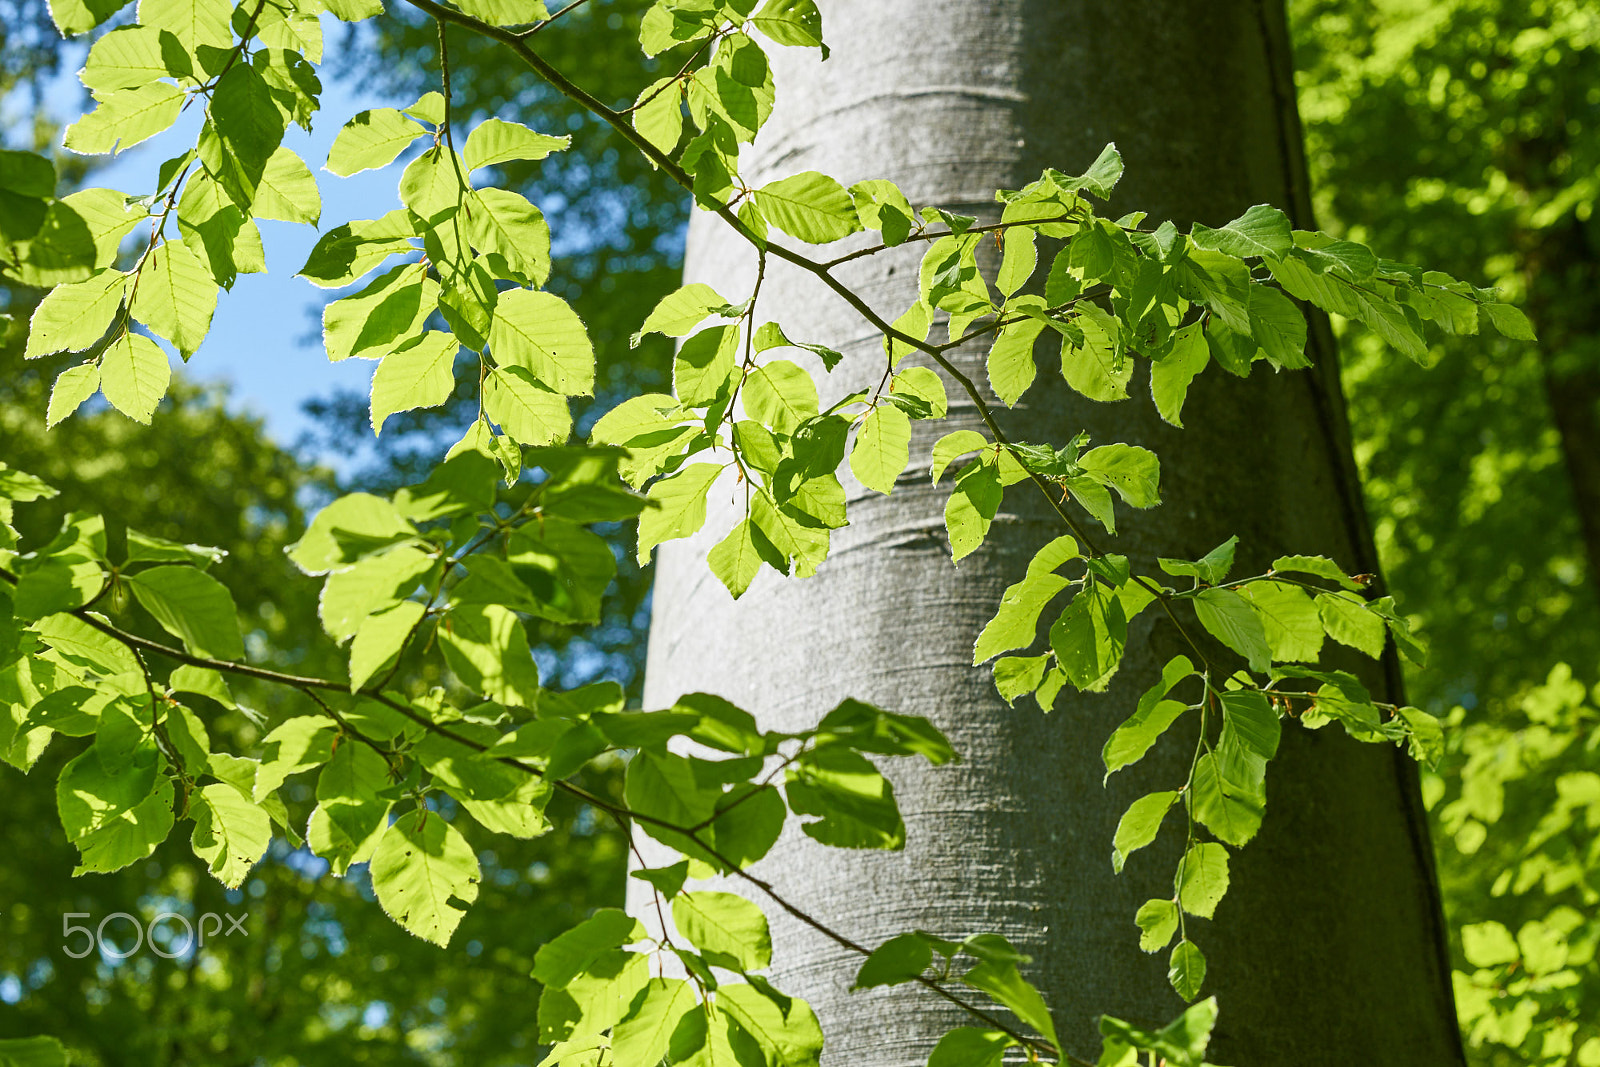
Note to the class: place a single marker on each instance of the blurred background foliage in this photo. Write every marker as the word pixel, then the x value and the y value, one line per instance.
pixel 1460 133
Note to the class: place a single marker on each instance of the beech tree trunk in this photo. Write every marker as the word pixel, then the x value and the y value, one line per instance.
pixel 1329 948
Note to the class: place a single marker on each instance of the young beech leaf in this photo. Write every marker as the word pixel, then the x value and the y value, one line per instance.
pixel 1139 825
pixel 952 446
pixel 971 1046
pixel 133 376
pixel 73 317
pixel 495 141
pixel 658 114
pixel 678 506
pixel 230 833
pixel 73 386
pixel 1011 367
pixel 1157 921
pixel 971 508
pixel 1171 374
pixel 1202 878
pixel 810 206
pixel 424 874
pixel 193 606
pixel 1347 620
pixel 899 959
pixel 487 648
pixel 681 311
pixel 1089 637
pixel 1289 618
pixel 541 333
pixel 1016 621
pixel 882 448
pixel 645 1033
pixel 1229 618
pixel 728 929
pixel 379 638
pixel 530 412
pixel 737 558
pixel 1261 231
pixel 124 118
pixel 421 376
pixel 1186 970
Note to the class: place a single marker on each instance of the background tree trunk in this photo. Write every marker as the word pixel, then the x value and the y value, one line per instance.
pixel 1329 948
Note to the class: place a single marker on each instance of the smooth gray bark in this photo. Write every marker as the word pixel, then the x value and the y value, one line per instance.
pixel 1328 949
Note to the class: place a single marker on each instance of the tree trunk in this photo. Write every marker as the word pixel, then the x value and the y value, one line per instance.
pixel 1329 948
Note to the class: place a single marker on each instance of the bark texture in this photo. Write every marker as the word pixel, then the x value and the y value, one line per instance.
pixel 1328 949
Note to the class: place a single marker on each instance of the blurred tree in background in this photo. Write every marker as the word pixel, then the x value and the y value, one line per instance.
pixel 1466 134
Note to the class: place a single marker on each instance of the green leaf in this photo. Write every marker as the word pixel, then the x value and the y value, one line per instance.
pixel 288 190
pixel 1139 825
pixel 1229 810
pixel 1187 969
pixel 89 797
pixel 854 802
pixel 899 959
pixel 705 364
pixel 883 207
pixel 919 392
pixel 527 410
pixel 1130 741
pixel 1509 320
pixel 175 296
pixel 379 638
pixel 133 376
pixel 1101 177
pixel 434 185
pixel 246 129
pixel 73 386
pixel 1212 568
pixel 1319 566
pixel 1011 367
pixel 1158 921
pixel 786 1030
pixel 145 548
pixel 421 376
pixel 679 506
pixel 970 1046
pixel 1018 258
pixel 737 558
pixel 487 648
pixel 74 17
pixel 504 224
pixel 1096 367
pixel 1347 620
pixel 124 118
pixel 347 529
pixel 728 929
pixel 643 1036
pixel 1202 878
pixel 781 395
pixel 1228 617
pixel 1133 472
pixel 346 253
pixel 972 507
pixel 681 311
pixel 1170 376
pixel 658 114
pixel 1261 231
pixel 73 317
pixel 1090 636
pixel 668 881
pixel 1001 980
pixel 424 874
pixel 506 12
pixel 564 958
pixel 952 446
pixel 1289 618
pixel 381 317
pixel 882 448
pixel 810 206
pixel 1016 621
pixel 797 23
pixel 125 839
pixel 203 681
pixel 294 745
pixel 540 332
pixel 230 833
pixel 495 141
pixel 35 1051
pixel 193 22
pixel 373 584
pixel 1253 721
pixel 191 605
